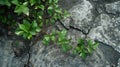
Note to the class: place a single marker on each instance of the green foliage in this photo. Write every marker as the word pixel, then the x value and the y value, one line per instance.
pixel 59 38
pixel 85 47
pixel 22 8
pixel 29 17
pixel 63 41
pixel 5 2
pixel 24 12
pixel 27 30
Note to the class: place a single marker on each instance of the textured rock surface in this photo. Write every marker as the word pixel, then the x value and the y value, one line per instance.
pixel 103 20
pixel 51 56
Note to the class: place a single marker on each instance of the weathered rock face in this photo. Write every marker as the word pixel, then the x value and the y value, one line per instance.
pixel 101 17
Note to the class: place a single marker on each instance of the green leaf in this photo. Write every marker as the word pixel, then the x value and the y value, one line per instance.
pixel 22 9
pixel 95 45
pixel 32 2
pixel 64 48
pixel 90 43
pixel 41 24
pixel 25 3
pixel 19 32
pixel 40 14
pixel 55 1
pixel 33 32
pixel 52 21
pixel 53 38
pixel 80 42
pixel 29 36
pixel 38 29
pixel 34 24
pixel 26 24
pixel 66 14
pixel 58 11
pixel 22 27
pixel 5 2
pixel 50 12
pixel 50 1
pixel 50 8
pixel 15 2
pixel 89 50
pixel 83 55
pixel 47 38
pixel 64 32
pixel 42 7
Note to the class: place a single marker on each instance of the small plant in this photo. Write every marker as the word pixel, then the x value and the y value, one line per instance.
pixel 59 38
pixel 63 41
pixel 27 30
pixel 85 47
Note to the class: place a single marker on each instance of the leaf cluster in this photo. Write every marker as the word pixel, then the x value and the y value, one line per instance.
pixel 27 30
pixel 58 37
pixel 85 47
pixel 24 14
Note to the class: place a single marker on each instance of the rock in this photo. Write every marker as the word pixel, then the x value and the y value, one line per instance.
pixel 105 1
pixel 7 57
pixel 118 63
pixel 82 15
pixel 66 4
pixel 104 28
pixel 113 7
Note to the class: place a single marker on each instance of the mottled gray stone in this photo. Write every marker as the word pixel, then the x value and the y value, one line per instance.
pixel 105 28
pixel 82 15
pixel 113 7
pixel 7 57
pixel 118 63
